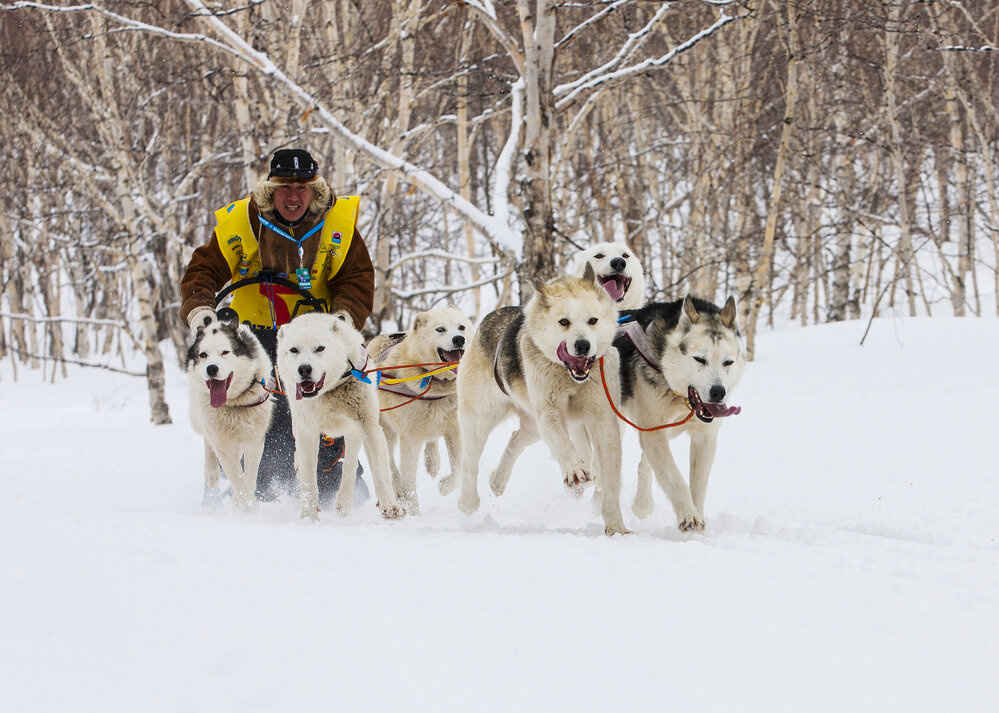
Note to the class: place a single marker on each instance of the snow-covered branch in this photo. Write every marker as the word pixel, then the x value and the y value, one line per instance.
pixel 566 94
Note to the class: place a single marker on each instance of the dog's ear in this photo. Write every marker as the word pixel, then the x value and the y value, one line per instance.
pixel 690 310
pixel 588 273
pixel 539 290
pixel 421 320
pixel 728 313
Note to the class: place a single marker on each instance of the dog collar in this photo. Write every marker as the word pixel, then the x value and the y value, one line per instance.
pixel 257 403
pixel 267 394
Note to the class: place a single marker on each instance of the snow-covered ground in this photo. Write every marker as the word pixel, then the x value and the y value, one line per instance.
pixel 850 561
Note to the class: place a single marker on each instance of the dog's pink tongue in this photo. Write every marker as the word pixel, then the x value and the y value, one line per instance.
pixel 614 287
pixel 574 362
pixel 298 391
pixel 721 410
pixel 217 391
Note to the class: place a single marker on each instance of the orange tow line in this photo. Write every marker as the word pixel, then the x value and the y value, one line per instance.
pixel 610 400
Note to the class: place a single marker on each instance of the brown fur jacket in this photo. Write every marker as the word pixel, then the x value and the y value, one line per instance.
pixel 353 287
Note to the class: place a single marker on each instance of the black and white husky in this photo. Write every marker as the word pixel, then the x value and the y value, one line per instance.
pixel 677 357
pixel 226 369
pixel 536 362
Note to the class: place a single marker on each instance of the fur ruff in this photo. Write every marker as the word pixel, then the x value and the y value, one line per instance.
pixel 322 198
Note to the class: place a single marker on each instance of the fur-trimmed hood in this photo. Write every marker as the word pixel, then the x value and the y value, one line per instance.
pixel 322 200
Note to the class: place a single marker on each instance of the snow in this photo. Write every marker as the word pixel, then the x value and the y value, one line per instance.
pixel 850 560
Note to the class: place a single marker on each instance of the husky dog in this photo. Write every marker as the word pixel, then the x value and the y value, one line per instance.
pixel 230 408
pixel 320 358
pixel 678 357
pixel 419 412
pixel 616 268
pixel 536 361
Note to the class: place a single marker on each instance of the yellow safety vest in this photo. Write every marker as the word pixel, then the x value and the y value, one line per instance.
pixel 254 303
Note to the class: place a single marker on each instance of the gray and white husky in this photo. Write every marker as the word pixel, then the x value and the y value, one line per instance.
pixel 677 357
pixel 320 357
pixel 536 361
pixel 617 269
pixel 230 408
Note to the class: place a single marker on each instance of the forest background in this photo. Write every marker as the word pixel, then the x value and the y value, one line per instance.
pixel 820 160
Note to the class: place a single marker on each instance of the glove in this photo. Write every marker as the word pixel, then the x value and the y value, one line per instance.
pixel 201 317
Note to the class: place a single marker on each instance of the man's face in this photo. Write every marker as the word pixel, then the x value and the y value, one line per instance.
pixel 291 200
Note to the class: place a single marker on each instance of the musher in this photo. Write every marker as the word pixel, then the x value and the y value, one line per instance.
pixel 292 228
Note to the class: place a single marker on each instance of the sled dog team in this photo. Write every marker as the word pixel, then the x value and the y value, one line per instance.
pixel 581 356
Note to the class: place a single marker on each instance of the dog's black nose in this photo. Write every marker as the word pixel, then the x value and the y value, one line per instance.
pixel 582 347
pixel 717 393
pixel 212 371
pixel 618 264
pixel 304 370
pixel 458 341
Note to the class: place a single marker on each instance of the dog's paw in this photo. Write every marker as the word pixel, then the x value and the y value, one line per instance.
pixel 409 502
pixel 576 478
pixel 395 512
pixel 448 484
pixel 342 509
pixel 468 503
pixel 692 521
pixel 310 512
pixel 212 479
pixel 642 506
pixel 611 530
pixel 497 484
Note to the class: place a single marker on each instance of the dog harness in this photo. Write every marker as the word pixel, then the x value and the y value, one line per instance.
pixel 403 391
pixel 639 339
pixel 267 305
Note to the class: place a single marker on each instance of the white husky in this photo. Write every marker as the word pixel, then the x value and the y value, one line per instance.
pixel 226 367
pixel 420 411
pixel 319 361
pixel 535 361
pixel 678 357
pixel 617 268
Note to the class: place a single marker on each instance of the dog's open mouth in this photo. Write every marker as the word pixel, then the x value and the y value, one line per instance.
pixel 306 389
pixel 450 355
pixel 217 389
pixel 616 285
pixel 579 367
pixel 711 410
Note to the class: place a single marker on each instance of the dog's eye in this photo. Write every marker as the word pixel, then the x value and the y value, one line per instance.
pixel 461 327
pixel 225 353
pixel 598 256
pixel 203 355
pixel 320 348
pixel 441 330
pixel 728 362
pixel 293 350
pixel 564 322
pixel 701 360
pixel 592 321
